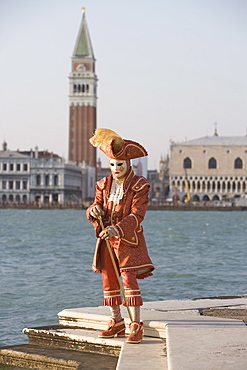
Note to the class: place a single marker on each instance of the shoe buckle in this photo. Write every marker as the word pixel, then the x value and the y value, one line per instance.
pixel 133 332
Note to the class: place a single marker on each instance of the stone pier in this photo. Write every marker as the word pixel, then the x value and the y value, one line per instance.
pixel 198 334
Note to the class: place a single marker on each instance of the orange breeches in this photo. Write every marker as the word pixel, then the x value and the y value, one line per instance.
pixel 110 282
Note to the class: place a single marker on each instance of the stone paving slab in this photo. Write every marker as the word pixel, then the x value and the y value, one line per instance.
pixel 204 347
pixel 77 339
pixel 150 353
pixel 236 313
pixel 38 357
pixel 97 318
pixel 155 322
pixel 197 304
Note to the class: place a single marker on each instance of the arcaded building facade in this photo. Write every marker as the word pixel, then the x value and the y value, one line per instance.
pixel 209 168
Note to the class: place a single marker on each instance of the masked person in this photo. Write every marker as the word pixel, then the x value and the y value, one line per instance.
pixel 121 201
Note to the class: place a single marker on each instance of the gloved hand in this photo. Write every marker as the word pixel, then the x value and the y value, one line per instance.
pixel 96 212
pixel 108 232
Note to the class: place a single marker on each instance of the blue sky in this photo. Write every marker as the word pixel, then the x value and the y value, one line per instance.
pixel 167 70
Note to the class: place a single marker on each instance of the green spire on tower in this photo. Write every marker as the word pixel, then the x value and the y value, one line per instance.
pixel 83 47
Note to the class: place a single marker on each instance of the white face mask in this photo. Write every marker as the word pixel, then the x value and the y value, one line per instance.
pixel 118 168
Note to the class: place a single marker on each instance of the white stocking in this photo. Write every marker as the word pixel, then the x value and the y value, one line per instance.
pixel 136 313
pixel 116 313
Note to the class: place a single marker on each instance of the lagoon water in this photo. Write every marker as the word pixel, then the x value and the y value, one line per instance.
pixel 46 255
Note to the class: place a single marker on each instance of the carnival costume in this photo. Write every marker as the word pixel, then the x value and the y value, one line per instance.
pixel 121 201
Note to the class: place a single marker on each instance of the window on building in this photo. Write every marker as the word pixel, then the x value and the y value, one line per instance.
pixel 55 180
pixel 18 185
pixel 25 167
pixel 11 184
pixel 17 198
pixel 38 180
pixel 18 167
pixel 187 163
pixel 47 180
pixel 5 167
pixel 55 198
pixel 212 163
pixel 238 163
pixel 11 167
pixel 24 185
pixel 4 184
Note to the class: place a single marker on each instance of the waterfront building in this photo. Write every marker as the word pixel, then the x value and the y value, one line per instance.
pixel 52 180
pixel 82 99
pixel 159 182
pixel 153 179
pixel 42 177
pixel 14 176
pixel 208 168
pixel 88 184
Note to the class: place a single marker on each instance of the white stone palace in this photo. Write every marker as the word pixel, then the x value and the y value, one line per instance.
pixel 209 168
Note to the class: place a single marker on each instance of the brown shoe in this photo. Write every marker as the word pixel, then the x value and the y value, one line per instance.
pixel 136 332
pixel 114 328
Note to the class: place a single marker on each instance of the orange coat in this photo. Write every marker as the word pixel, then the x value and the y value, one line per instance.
pixel 130 247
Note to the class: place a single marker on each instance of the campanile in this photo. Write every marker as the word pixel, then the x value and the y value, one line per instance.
pixel 82 98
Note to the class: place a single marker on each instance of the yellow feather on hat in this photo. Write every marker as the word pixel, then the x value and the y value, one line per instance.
pixel 103 135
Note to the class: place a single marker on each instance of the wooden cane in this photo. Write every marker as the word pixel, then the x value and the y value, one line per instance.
pixel 115 269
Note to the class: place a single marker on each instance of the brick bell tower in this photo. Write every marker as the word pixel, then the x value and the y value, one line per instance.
pixel 82 99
